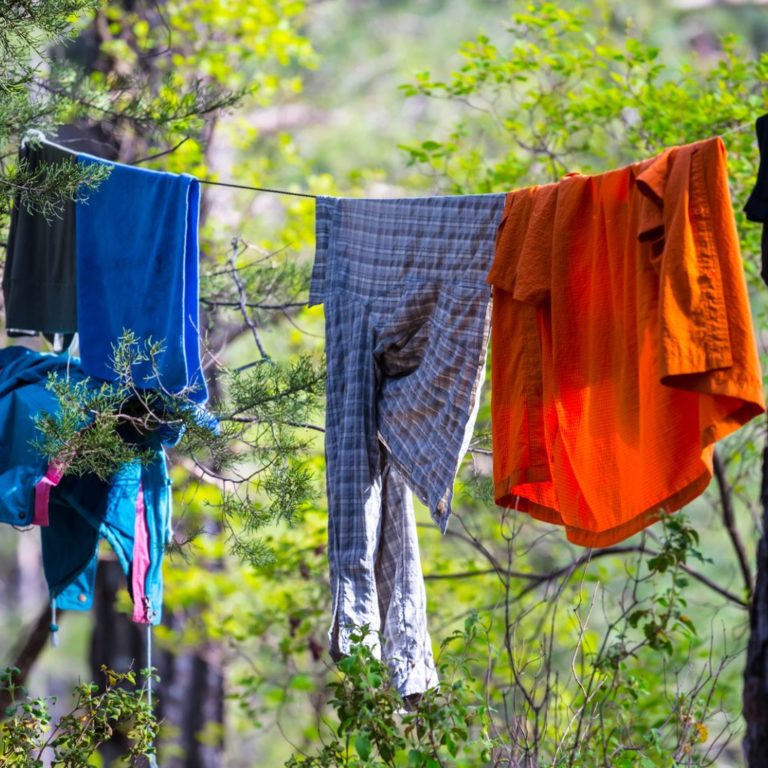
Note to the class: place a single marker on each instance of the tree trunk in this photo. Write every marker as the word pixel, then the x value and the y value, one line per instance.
pixel 27 652
pixel 755 697
pixel 190 694
pixel 116 642
pixel 191 700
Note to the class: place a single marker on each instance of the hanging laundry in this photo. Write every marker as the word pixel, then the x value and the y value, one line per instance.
pixel 137 270
pixel 407 321
pixel 39 280
pixel 131 510
pixel 622 344
pixel 23 396
pixel 757 204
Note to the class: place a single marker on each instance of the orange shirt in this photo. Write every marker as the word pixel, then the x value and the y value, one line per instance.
pixel 622 343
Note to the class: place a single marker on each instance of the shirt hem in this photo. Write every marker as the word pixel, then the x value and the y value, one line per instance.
pixel 609 536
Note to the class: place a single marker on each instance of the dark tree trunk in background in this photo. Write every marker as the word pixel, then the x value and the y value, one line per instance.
pixel 116 642
pixel 24 656
pixel 756 671
pixel 190 695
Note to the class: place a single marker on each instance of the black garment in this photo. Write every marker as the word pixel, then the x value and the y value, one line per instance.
pixel 757 205
pixel 39 282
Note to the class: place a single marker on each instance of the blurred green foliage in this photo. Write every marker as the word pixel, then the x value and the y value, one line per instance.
pixel 549 655
pixel 29 739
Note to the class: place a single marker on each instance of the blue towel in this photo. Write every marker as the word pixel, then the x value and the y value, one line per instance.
pixel 137 269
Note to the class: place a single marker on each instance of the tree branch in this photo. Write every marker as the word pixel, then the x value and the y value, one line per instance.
pixel 28 651
pixel 163 153
pixel 253 305
pixel 255 420
pixel 249 321
pixel 536 579
pixel 729 521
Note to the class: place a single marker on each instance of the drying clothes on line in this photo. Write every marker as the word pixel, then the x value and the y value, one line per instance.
pixel 124 259
pixel 39 281
pixel 131 510
pixel 407 321
pixel 137 269
pixel 24 396
pixel 757 204
pixel 622 344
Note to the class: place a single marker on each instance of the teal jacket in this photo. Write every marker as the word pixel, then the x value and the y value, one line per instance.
pixel 131 510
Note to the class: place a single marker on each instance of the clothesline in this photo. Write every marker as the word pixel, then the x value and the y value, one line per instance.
pixel 257 189
pixel 41 136
pixel 736 129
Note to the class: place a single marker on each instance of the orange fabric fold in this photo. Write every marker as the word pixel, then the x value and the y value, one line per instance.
pixel 622 343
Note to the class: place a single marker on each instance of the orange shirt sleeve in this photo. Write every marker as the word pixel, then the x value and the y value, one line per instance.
pixel 706 341
pixel 525 238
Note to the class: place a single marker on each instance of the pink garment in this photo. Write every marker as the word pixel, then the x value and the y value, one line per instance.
pixel 142 613
pixel 43 491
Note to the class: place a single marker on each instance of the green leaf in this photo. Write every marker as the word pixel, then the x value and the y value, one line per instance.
pixel 302 683
pixel 363 745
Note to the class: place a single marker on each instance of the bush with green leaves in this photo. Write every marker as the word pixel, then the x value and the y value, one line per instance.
pixel 29 739
pixel 511 694
pixel 447 725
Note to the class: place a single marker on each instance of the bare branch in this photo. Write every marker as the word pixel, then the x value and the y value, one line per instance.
pixel 163 153
pixel 730 523
pixel 249 321
pixel 254 305
pixel 255 420
pixel 28 651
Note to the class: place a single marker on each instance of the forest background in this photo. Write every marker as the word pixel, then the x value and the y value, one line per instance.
pixel 550 655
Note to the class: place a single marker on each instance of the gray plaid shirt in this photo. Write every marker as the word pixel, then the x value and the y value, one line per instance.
pixel 407 317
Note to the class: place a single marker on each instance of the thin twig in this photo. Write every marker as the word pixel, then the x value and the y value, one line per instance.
pixel 256 420
pixel 730 522
pixel 163 153
pixel 715 587
pixel 249 321
pixel 253 305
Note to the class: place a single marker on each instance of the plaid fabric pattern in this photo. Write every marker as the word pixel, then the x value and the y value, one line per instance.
pixel 407 320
